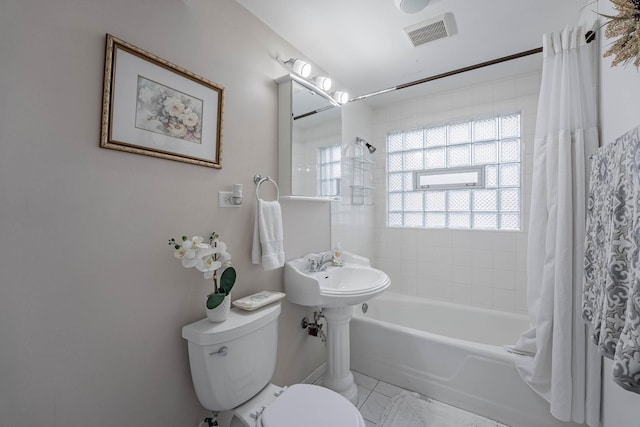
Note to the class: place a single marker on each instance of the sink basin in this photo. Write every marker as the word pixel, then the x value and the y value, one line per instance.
pixel 350 284
pixel 335 289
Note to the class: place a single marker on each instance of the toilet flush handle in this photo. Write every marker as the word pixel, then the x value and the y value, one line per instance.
pixel 222 352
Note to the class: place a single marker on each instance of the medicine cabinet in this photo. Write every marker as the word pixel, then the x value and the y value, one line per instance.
pixel 308 121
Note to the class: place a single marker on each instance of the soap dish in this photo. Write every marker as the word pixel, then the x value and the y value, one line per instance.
pixel 255 301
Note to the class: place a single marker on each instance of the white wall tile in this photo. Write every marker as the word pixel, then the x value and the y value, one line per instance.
pixel 442 272
pixel 443 255
pixel 521 280
pixel 462 98
pixel 504 259
pixel 482 94
pixel 461 294
pixel 482 258
pixel 504 299
pixel 504 279
pixel 424 269
pixel 442 102
pixel 521 301
pixel 528 84
pixel 462 256
pixel 504 90
pixel 481 268
pixel 482 277
pixel 461 274
pixel 482 296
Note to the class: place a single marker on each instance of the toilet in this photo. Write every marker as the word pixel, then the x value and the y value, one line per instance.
pixel 232 364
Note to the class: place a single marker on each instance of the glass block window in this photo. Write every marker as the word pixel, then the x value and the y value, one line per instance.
pixel 492 143
pixel 329 169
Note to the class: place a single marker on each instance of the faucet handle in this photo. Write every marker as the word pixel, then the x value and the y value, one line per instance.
pixel 313 264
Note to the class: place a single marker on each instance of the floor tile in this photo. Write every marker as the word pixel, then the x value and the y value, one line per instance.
pixel 364 380
pixel 374 406
pixel 369 424
pixel 363 393
pixel 388 389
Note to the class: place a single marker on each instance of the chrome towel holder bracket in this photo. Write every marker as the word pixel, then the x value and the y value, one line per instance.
pixel 260 179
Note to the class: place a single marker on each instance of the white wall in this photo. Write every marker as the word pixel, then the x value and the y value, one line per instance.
pixel 91 300
pixel 479 268
pixel 619 112
pixel 352 225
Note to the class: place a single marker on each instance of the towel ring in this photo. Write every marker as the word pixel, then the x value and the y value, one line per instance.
pixel 259 180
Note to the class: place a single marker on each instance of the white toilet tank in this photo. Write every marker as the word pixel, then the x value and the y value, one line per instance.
pixel 233 360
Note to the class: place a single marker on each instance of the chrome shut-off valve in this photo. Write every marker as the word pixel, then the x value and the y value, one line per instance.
pixel 314 328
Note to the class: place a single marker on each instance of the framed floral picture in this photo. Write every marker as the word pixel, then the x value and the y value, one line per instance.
pixel 153 107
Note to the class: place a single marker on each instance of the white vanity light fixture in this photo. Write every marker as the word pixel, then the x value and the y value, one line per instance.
pixel 411 6
pixel 341 97
pixel 323 83
pixel 300 67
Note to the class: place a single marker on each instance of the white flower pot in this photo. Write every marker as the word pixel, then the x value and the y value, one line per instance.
pixel 221 312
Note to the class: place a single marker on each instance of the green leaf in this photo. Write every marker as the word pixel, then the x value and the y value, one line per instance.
pixel 227 280
pixel 214 300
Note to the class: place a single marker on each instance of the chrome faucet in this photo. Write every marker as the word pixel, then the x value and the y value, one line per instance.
pixel 320 262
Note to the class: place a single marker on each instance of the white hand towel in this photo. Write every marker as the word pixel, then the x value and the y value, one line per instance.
pixel 268 246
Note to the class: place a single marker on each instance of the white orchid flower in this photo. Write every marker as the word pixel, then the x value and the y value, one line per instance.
pixel 193 246
pixel 207 258
pixel 189 262
pixel 208 266
pixel 221 249
pixel 204 250
pixel 179 253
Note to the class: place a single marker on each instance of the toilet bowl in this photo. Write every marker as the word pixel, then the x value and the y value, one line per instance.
pixel 232 364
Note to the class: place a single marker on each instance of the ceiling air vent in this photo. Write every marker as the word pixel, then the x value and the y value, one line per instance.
pixel 436 28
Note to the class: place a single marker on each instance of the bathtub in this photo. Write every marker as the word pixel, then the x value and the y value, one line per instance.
pixel 452 353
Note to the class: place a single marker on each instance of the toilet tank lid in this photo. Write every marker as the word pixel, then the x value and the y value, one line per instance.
pixel 239 323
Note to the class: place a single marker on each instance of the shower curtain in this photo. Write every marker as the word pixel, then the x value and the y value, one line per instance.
pixel 553 356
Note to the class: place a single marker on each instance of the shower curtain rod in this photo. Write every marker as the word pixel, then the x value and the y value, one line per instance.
pixel 589 36
pixel 451 73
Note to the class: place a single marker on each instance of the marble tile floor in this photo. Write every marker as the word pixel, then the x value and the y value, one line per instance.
pixel 374 396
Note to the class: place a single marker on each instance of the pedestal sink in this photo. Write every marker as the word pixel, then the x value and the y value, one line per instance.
pixel 336 289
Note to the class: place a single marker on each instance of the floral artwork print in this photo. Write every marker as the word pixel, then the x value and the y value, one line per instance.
pixel 164 110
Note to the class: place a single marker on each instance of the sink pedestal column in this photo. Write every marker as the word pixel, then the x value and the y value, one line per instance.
pixel 338 376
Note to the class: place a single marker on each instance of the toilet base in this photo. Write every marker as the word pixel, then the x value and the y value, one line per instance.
pixel 241 416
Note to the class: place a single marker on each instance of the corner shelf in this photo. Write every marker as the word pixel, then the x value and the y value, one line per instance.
pixel 362 172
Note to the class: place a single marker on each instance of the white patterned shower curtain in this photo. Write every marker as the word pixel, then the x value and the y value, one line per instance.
pixel 554 357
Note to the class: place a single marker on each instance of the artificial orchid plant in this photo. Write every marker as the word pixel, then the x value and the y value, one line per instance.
pixel 207 258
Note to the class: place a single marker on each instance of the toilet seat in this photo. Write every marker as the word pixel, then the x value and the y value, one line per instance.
pixel 311 406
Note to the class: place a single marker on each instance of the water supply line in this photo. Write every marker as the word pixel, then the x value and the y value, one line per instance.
pixel 315 328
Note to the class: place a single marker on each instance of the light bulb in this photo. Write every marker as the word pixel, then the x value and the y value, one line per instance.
pixel 341 97
pixel 301 68
pixel 323 83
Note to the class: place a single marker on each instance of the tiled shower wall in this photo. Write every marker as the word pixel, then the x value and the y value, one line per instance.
pixel 478 268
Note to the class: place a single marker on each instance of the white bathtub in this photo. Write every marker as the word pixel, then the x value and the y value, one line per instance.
pixel 449 352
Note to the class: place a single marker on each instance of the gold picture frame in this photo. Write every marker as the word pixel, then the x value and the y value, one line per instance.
pixel 153 107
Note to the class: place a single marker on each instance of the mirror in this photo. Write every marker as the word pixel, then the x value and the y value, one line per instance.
pixel 310 135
